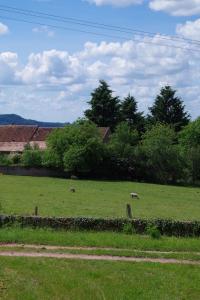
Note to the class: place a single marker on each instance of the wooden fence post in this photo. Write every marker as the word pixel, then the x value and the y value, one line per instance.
pixel 36 211
pixel 129 211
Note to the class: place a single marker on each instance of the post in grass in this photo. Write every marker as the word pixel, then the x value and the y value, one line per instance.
pixel 129 211
pixel 36 211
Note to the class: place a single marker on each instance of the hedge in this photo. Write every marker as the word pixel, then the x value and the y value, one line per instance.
pixel 166 227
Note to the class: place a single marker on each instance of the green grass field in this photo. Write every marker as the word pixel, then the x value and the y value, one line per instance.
pixel 49 278
pixel 19 195
pixel 32 279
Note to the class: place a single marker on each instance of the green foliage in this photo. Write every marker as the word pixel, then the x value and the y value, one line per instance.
pixel 169 109
pixel 105 108
pixel 163 158
pixel 16 159
pixel 141 226
pixel 128 228
pixel 122 146
pixel 32 157
pixel 190 135
pixel 189 140
pixel 129 113
pixel 5 160
pixel 77 147
pixel 153 231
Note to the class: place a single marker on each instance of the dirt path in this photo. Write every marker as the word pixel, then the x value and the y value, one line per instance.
pixel 97 257
pixel 48 247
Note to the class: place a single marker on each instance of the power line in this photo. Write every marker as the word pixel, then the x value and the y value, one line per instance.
pixel 96 25
pixel 99 34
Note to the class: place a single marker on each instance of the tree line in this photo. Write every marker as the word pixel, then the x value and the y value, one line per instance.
pixel 163 146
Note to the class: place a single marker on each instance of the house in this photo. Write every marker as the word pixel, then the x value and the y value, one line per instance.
pixel 14 138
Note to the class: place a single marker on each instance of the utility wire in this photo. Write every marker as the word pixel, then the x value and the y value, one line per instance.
pixel 99 34
pixel 96 25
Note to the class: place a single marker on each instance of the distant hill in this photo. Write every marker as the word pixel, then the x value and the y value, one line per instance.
pixel 12 119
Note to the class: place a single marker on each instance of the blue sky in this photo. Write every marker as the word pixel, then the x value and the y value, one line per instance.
pixel 48 73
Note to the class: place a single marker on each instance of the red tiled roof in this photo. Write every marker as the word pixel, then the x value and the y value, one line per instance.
pixel 41 134
pixel 12 133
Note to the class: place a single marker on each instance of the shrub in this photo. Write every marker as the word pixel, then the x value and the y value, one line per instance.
pixel 128 228
pixel 16 159
pixel 141 226
pixel 5 160
pixel 153 231
pixel 32 158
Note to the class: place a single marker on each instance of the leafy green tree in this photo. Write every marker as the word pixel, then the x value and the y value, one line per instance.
pixel 104 111
pixel 189 139
pixel 169 109
pixel 122 146
pixel 162 154
pixel 129 113
pixel 77 147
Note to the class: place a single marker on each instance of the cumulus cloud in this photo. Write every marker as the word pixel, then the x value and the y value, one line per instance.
pixel 173 7
pixel 119 3
pixel 3 29
pixel 190 30
pixel 176 7
pixel 59 83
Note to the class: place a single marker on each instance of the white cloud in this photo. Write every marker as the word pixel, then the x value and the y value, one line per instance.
pixel 176 7
pixel 189 30
pixel 173 7
pixel 3 29
pixel 58 84
pixel 119 3
pixel 45 30
pixel 8 67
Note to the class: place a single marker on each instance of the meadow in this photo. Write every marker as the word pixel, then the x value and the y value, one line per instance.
pixel 107 199
pixel 29 278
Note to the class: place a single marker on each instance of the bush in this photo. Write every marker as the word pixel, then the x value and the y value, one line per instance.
pixel 16 159
pixel 128 228
pixel 32 158
pixel 165 227
pixel 5 160
pixel 153 231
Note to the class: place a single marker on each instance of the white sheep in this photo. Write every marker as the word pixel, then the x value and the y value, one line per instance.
pixel 134 195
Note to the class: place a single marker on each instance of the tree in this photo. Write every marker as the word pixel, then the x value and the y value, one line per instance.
pixel 77 147
pixel 169 109
pixel 189 139
pixel 129 113
pixel 104 111
pixel 122 146
pixel 162 154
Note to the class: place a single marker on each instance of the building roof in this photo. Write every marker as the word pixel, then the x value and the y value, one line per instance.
pixel 12 133
pixel 14 138
pixel 41 134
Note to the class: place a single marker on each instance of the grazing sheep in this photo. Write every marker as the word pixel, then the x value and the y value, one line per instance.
pixel 72 190
pixel 134 195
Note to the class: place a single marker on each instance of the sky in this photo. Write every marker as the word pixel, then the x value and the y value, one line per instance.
pixel 50 65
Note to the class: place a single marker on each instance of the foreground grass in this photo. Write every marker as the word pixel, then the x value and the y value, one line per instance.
pixel 19 195
pixel 27 279
pixel 97 239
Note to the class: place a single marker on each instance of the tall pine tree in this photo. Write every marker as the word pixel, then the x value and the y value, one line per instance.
pixel 130 114
pixel 104 111
pixel 169 109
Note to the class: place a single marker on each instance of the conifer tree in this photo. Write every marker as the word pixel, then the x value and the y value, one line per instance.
pixel 104 111
pixel 169 109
